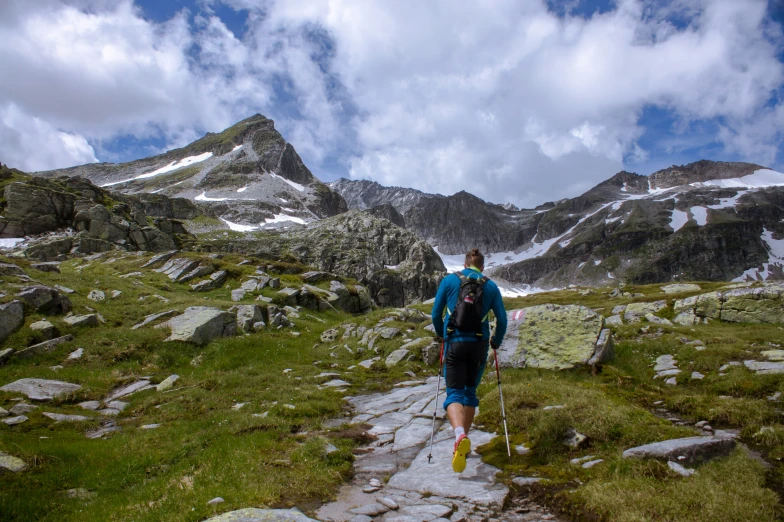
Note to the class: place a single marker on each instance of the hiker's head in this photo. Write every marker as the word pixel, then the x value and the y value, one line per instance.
pixel 475 258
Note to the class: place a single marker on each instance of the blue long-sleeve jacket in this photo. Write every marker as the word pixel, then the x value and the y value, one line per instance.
pixel 446 299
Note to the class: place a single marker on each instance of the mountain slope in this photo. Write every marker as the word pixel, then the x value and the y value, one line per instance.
pixel 703 221
pixel 248 174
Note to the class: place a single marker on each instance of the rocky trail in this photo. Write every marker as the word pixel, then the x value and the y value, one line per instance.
pixel 417 490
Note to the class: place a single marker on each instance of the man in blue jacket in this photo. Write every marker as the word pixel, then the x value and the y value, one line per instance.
pixel 465 352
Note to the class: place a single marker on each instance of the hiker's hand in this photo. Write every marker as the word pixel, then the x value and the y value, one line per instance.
pixel 493 345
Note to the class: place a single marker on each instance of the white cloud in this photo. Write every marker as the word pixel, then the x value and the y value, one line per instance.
pixel 36 145
pixel 501 97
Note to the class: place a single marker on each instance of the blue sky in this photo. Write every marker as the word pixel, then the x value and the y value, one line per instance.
pixel 524 101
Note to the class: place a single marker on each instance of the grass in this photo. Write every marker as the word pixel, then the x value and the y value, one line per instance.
pixel 203 448
pixel 615 409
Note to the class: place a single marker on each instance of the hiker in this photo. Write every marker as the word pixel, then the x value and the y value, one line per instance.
pixel 468 298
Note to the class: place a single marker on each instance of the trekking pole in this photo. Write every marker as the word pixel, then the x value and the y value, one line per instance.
pixel 503 411
pixel 435 409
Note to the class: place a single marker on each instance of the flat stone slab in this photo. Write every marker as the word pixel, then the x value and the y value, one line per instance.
pixel 262 515
pixel 44 347
pixel 137 386
pixel 680 287
pixel 476 485
pixel 765 367
pixel 41 389
pixel 689 450
pixel 59 417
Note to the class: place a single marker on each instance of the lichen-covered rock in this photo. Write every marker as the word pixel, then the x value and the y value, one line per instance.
pixel 11 319
pixel 11 463
pixel 553 337
pixel 201 324
pixel 689 450
pixel 45 329
pixel 396 356
pixel 758 305
pixel 680 287
pixel 248 315
pixel 635 312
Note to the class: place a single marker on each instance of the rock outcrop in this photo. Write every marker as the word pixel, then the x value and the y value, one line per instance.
pixel 11 319
pixel 201 324
pixel 555 337
pixel 396 266
pixel 764 304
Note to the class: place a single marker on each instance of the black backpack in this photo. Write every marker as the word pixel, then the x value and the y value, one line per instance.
pixel 467 316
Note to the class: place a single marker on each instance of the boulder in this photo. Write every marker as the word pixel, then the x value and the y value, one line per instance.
pixel 41 389
pixel 396 356
pixel 329 336
pixel 82 320
pixel 635 312
pixel 248 315
pixel 165 384
pixel 431 353
pixel 237 295
pixel 8 269
pixel 289 296
pixel 176 268
pixel 11 319
pixel 201 324
pixel 216 280
pixel 199 271
pixel 760 305
pixel 45 300
pixel 315 277
pixel 689 450
pixel 45 329
pixel 96 295
pixel 160 258
pixel 554 337
pixel 50 266
pixel 11 463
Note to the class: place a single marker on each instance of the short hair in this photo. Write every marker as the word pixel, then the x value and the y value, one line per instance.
pixel 475 258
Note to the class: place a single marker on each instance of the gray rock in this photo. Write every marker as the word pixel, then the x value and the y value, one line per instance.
pixel 13 421
pixel 329 335
pixel 613 320
pixel 388 502
pixel 216 280
pixel 3 412
pixel 117 405
pixel 388 333
pixel 289 296
pixel 368 363
pixel 396 356
pixel 176 268
pixel 697 376
pixel 249 315
pixel 657 320
pixel 238 294
pixel 201 324
pixel 680 470
pixel 360 518
pixel 160 258
pixel 672 381
pixel 526 481
pixel 431 353
pixel 152 318
pixel 574 439
pixel 167 383
pixel 592 463
pixel 59 417
pixel 5 354
pixel 11 319
pixel 41 389
pixel 64 289
pixel 44 347
pixel 45 300
pixel 8 269
pixel 427 512
pixel 11 463
pixel 22 408
pixel 636 311
pixel 678 288
pixel 82 320
pixel 199 271
pixel 89 405
pixel 51 266
pixel 262 515
pixel 108 427
pixel 96 295
pixel 216 500
pixel 605 348
pixel 370 510
pixel 689 450
pixel 45 329
pixel 124 391
pixel 336 383
pixel 765 367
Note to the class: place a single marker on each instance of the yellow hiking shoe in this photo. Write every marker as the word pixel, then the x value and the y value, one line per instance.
pixel 462 448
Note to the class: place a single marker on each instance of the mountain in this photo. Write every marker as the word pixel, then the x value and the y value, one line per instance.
pixel 453 224
pixel 702 221
pixel 248 175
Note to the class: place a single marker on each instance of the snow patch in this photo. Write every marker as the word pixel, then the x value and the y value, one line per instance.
pixel 678 219
pixel 758 179
pixel 239 228
pixel 280 218
pixel 729 202
pixel 238 147
pixel 297 186
pixel 204 197
pixel 10 242
pixel 174 165
pixel 775 249
pixel 700 215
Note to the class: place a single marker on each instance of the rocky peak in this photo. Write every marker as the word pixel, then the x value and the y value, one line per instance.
pixel 700 171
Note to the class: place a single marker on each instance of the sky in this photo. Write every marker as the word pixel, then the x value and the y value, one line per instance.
pixel 520 101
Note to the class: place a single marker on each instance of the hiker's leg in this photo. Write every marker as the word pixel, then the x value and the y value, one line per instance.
pixel 456 414
pixel 468 417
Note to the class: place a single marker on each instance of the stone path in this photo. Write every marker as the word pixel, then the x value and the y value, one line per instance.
pixel 418 491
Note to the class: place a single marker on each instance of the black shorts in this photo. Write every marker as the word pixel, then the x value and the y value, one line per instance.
pixel 464 364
